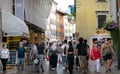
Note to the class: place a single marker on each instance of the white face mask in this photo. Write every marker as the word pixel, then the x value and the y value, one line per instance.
pixel 106 42
pixel 96 45
pixel 21 45
pixel 5 46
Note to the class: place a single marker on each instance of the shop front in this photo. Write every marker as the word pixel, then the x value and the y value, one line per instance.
pixel 13 30
pixel 37 34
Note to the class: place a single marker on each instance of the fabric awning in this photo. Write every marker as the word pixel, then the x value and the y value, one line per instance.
pixel 13 26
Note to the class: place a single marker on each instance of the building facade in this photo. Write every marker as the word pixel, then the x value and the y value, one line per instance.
pixel 6 5
pixel 51 23
pixel 91 14
pixel 36 14
pixel 69 27
pixel 60 24
pixel 12 27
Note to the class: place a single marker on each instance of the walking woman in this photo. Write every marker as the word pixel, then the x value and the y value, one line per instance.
pixel 70 57
pixel 53 56
pixel 107 52
pixel 96 55
pixel 5 56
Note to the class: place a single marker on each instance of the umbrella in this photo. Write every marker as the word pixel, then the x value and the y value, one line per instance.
pixel 13 26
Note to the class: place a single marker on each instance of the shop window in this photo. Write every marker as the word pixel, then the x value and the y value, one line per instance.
pixel 101 20
pixel 4 39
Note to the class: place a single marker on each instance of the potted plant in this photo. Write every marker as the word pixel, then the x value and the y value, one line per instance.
pixel 113 28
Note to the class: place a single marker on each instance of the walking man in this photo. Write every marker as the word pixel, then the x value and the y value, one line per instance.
pixel 41 54
pixel 82 53
pixel 21 56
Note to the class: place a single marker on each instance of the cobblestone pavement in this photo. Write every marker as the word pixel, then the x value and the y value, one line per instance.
pixel 30 70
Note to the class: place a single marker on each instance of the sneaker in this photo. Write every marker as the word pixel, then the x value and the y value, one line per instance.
pixel 98 71
pixel 18 71
pixel 63 68
pixel 106 71
pixel 42 70
pixel 110 70
pixel 67 70
pixel 3 72
pixel 53 68
pixel 76 68
pixel 21 71
pixel 83 71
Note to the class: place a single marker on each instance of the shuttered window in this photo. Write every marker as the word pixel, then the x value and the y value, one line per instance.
pixel 101 20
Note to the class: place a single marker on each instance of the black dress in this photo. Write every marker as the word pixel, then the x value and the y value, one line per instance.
pixel 70 59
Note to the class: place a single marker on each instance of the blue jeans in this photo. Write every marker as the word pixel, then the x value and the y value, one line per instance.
pixel 41 61
pixel 20 64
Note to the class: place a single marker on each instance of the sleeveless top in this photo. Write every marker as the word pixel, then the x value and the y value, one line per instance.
pixel 106 50
pixel 70 49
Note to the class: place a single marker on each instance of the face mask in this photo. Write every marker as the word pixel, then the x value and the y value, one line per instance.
pixel 96 45
pixel 106 42
pixel 21 45
pixel 5 46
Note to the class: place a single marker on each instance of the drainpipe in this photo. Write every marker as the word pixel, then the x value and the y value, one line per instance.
pixel 0 27
pixel 113 10
pixel 119 34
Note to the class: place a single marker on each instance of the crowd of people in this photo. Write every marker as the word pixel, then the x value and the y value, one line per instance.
pixel 70 54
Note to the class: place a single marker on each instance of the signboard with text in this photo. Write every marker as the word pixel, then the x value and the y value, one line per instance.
pixel 12 57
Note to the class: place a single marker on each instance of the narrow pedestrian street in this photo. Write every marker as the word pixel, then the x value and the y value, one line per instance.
pixel 59 34
pixel 30 70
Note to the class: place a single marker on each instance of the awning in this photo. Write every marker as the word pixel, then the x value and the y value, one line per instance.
pixel 53 40
pixel 13 26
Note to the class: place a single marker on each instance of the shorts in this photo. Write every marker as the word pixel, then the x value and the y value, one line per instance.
pixel 64 60
pixel 107 57
pixel 82 59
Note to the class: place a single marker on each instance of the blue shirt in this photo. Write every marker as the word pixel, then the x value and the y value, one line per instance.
pixel 40 49
pixel 21 52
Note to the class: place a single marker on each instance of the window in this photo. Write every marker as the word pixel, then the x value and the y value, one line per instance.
pixel 101 0
pixel 101 20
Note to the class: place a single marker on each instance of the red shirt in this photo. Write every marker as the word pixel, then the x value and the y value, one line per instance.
pixel 96 52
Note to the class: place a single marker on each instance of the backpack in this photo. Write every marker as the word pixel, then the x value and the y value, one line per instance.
pixel 65 50
pixel 82 49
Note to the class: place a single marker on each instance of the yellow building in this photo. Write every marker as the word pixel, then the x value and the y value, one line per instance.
pixel 90 15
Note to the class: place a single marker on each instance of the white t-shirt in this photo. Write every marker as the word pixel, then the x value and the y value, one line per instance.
pixel 62 47
pixel 34 48
pixel 4 53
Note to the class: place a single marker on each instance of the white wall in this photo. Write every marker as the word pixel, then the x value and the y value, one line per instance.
pixel 6 5
pixel 19 9
pixel 37 11
pixel 113 10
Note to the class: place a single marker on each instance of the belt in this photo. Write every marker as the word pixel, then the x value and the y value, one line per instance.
pixel 70 52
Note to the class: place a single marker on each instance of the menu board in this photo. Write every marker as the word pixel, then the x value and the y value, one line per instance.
pixel 12 57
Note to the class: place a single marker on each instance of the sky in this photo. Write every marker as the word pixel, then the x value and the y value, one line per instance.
pixel 63 4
